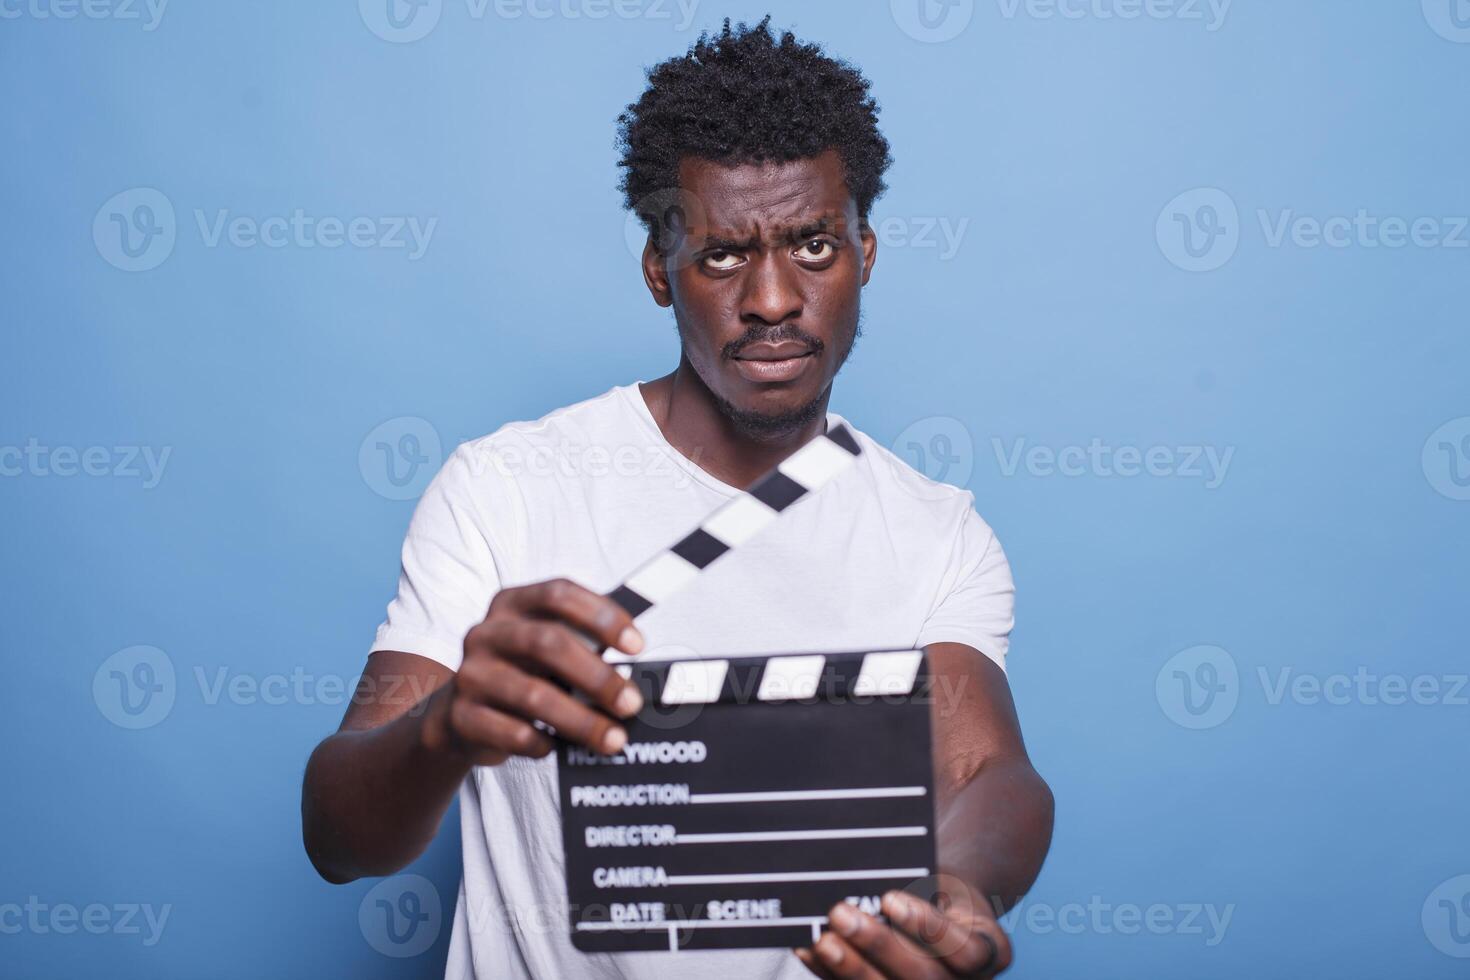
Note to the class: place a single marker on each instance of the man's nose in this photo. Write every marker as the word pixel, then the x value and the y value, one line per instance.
pixel 772 292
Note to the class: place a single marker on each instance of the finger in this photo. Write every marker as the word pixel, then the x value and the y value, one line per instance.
pixel 971 944
pixel 893 955
pixel 842 961
pixel 813 964
pixel 553 649
pixel 492 735
pixel 596 615
pixel 502 685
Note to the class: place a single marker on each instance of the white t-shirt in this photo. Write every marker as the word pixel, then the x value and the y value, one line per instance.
pixel 882 557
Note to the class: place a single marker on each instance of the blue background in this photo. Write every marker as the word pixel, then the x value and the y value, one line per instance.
pixel 266 548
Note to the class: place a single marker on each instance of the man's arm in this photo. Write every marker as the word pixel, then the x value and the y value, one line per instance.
pixel 994 816
pixel 995 810
pixel 374 792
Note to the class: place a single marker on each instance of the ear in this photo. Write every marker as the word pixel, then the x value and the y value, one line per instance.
pixel 656 274
pixel 870 248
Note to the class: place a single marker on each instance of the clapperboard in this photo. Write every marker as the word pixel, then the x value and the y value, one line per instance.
pixel 754 792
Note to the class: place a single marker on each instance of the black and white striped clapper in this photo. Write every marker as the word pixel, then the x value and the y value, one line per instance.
pixel 739 519
pixel 754 792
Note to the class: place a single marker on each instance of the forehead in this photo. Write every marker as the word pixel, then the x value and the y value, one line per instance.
pixel 767 195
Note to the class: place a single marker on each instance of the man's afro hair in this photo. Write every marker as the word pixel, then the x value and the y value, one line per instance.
pixel 746 97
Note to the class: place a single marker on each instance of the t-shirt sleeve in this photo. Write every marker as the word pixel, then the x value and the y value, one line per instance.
pixel 976 600
pixel 450 564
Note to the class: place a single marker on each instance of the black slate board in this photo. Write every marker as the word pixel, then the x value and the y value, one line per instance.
pixel 844 770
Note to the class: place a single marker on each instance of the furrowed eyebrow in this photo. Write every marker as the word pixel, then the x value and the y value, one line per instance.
pixel 820 225
pixel 828 225
pixel 723 244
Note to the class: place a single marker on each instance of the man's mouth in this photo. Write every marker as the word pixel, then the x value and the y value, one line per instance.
pixel 767 363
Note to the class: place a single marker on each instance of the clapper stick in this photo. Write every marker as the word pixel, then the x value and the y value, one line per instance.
pixel 735 522
pixel 753 792
pixel 808 469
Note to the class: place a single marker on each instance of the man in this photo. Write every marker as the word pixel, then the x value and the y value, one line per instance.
pixel 754 162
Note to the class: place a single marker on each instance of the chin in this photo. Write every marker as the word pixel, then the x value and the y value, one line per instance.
pixel 771 422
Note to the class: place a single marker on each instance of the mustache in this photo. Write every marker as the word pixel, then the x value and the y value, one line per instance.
pixel 757 335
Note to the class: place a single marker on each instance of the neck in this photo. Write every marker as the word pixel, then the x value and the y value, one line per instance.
pixel 691 420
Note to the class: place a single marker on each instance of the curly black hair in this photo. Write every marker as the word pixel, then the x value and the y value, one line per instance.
pixel 744 97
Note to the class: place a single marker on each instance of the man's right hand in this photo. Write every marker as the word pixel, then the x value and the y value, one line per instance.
pixel 518 666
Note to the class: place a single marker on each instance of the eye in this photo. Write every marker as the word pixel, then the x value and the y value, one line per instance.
pixel 817 249
pixel 721 261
